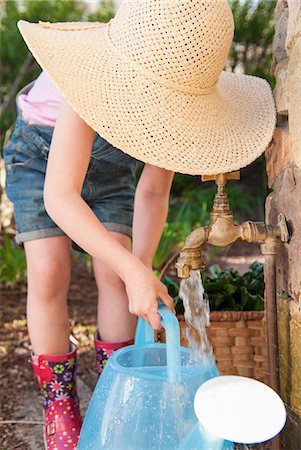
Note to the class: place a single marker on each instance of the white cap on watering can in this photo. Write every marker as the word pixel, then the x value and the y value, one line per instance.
pixel 239 409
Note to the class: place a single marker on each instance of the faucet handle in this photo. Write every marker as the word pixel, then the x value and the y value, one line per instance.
pixel 284 233
pixel 222 178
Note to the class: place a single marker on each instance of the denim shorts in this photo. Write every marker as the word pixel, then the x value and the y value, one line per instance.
pixel 108 189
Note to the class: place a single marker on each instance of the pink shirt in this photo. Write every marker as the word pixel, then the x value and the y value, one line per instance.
pixel 41 104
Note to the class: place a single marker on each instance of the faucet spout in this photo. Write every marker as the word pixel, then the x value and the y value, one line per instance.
pixel 196 238
pixel 190 257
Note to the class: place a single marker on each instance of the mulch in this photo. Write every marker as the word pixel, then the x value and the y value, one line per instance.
pixel 16 375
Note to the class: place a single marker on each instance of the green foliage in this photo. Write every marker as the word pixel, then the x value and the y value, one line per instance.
pixel 173 290
pixel 243 203
pixel 227 290
pixel 171 238
pixel 187 212
pixel 14 52
pixel 104 13
pixel 167 245
pixel 12 263
pixel 254 29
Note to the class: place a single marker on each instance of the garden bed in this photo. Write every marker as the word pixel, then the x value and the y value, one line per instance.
pixel 237 327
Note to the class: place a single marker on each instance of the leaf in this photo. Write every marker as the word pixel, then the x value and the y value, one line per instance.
pixel 178 304
pixel 172 287
pixel 214 270
pixel 12 262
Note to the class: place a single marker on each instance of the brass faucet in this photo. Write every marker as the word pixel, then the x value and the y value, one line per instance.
pixel 222 230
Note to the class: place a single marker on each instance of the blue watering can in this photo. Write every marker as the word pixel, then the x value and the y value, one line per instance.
pixel 144 398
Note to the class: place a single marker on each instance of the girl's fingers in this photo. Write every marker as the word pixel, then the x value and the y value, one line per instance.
pixel 144 317
pixel 154 319
pixel 167 300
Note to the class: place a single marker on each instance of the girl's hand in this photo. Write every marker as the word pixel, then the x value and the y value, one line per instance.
pixel 144 290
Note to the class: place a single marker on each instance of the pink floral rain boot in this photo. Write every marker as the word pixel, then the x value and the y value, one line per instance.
pixel 57 381
pixel 105 349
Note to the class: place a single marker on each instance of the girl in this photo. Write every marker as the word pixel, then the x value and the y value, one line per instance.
pixel 89 195
pixel 152 83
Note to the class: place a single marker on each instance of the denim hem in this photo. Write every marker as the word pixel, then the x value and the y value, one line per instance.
pixel 38 234
pixel 49 232
pixel 118 228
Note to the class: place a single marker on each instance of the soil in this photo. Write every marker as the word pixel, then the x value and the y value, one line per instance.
pixel 16 376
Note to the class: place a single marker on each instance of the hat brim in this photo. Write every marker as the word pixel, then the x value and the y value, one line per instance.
pixel 194 134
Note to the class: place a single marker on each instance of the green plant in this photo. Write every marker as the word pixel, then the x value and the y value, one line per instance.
pixel 104 13
pixel 166 245
pixel 190 211
pixel 254 30
pixel 170 239
pixel 173 290
pixel 227 290
pixel 12 263
pixel 18 66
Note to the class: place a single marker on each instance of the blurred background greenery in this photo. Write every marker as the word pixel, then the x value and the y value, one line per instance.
pixel 191 201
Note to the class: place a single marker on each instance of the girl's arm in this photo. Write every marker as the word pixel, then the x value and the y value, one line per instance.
pixel 150 212
pixel 67 166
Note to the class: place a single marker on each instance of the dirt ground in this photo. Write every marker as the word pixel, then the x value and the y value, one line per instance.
pixel 16 376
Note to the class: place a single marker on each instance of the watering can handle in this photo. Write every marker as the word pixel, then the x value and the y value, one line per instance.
pixel 145 336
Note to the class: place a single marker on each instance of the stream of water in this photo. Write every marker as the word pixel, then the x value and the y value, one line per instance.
pixel 197 316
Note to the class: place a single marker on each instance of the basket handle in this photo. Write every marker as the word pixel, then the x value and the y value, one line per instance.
pixel 145 336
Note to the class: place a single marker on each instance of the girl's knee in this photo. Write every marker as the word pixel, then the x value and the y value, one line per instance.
pixel 48 275
pixel 107 279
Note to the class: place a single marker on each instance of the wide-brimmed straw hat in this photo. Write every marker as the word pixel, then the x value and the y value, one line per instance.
pixel 151 82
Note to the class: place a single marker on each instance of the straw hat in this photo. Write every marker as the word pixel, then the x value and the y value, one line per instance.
pixel 151 82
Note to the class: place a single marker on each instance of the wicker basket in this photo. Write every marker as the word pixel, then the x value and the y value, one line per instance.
pixel 238 340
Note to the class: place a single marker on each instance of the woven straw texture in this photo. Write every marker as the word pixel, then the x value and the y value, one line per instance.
pixel 151 82
pixel 238 340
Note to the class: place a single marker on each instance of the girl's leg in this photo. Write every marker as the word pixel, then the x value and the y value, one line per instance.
pixel 48 273
pixel 53 359
pixel 115 323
